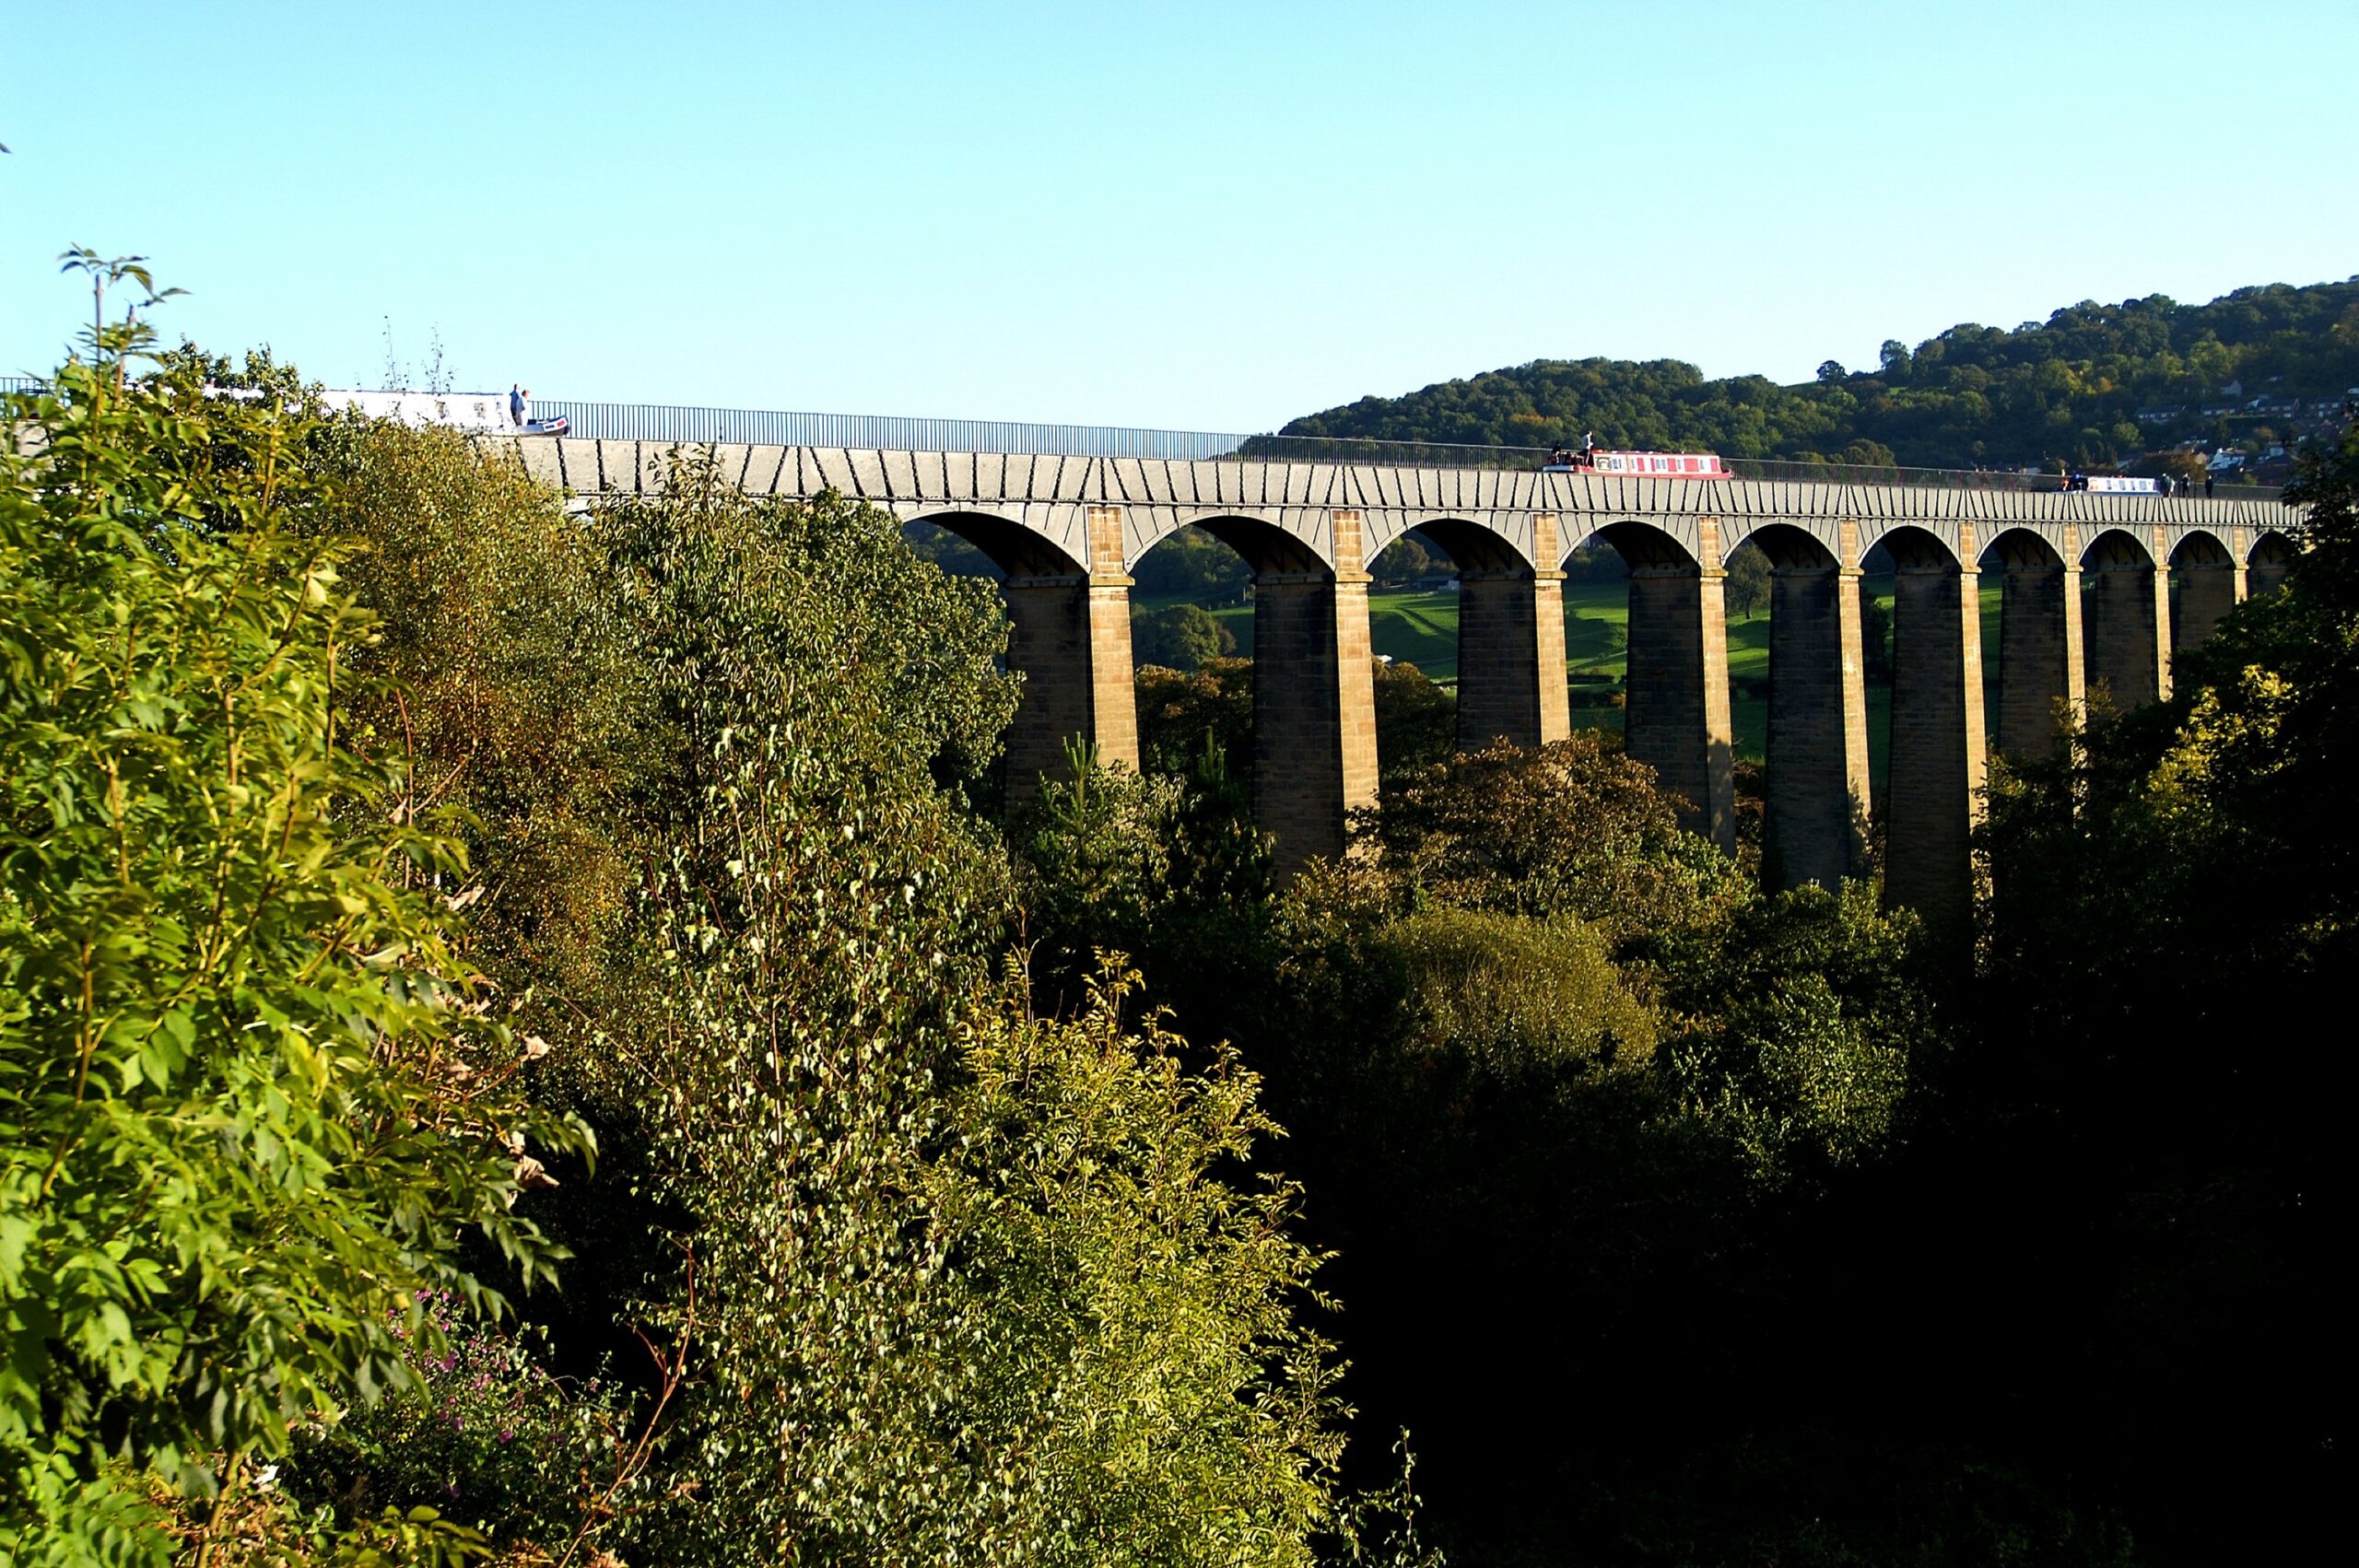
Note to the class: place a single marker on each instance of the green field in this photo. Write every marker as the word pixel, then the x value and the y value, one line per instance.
pixel 1422 629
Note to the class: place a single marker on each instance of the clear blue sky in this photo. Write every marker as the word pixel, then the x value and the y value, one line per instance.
pixel 1202 216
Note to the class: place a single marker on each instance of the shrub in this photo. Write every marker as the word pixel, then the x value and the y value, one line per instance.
pixel 1519 995
pixel 246 1102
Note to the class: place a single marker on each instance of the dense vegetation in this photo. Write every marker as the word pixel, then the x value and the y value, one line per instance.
pixel 2068 389
pixel 414 895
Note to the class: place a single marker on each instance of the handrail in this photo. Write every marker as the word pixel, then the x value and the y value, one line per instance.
pixel 687 424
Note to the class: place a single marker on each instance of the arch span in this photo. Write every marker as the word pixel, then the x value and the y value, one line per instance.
pixel 1015 549
pixel 2271 558
pixel 1069 636
pixel 1642 545
pixel 1314 702
pixel 1676 717
pixel 1510 635
pixel 2041 687
pixel 1936 770
pixel 1817 803
pixel 2206 583
pixel 2127 615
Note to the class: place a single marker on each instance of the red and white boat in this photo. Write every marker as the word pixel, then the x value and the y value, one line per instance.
pixel 1664 465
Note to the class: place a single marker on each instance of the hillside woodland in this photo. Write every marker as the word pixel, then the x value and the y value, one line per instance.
pixel 527 1037
pixel 2093 386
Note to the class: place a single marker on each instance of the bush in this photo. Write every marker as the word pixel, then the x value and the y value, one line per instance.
pixel 1573 828
pixel 1518 995
pixel 486 1435
pixel 250 1103
pixel 1180 636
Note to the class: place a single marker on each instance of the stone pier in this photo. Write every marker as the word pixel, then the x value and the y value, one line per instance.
pixel 1818 763
pixel 1934 791
pixel 2042 683
pixel 2128 611
pixel 1314 700
pixel 1511 649
pixel 1677 720
pixel 1070 636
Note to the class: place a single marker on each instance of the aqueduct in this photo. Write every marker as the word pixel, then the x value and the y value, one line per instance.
pixel 1067 529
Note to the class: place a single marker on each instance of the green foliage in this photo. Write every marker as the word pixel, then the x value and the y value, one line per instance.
pixel 1178 637
pixel 1416 722
pixel 1802 1015
pixel 1181 718
pixel 248 1104
pixel 1193 565
pixel 521 697
pixel 1137 1381
pixel 1118 862
pixel 1516 995
pixel 1573 828
pixel 1747 583
pixel 1406 560
pixel 486 1433
pixel 818 907
pixel 2068 389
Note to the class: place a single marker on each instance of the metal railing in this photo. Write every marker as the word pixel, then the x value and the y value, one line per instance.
pixel 674 423
pixel 657 422
pixel 1443 454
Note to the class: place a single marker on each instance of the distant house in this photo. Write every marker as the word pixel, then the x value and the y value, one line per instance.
pixel 2158 415
pixel 2218 410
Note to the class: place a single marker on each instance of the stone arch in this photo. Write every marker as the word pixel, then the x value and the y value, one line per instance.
pixel 2126 619
pixel 2041 685
pixel 2206 585
pixel 2199 549
pixel 2019 548
pixel 1314 703
pixel 1816 807
pixel 1914 547
pixel 1069 638
pixel 2110 549
pixel 2271 558
pixel 1642 545
pixel 1471 546
pixel 1676 717
pixel 1015 549
pixel 1265 545
pixel 1934 789
pixel 1789 547
pixel 1510 636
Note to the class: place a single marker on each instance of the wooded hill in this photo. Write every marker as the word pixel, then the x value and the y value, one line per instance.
pixel 2094 385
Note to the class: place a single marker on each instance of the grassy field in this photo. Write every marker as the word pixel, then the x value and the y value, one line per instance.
pixel 1422 629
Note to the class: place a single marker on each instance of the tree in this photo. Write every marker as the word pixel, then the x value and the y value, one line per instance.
pixel 1875 639
pixel 1405 561
pixel 1416 721
pixel 1831 371
pixel 2135 882
pixel 898 1194
pixel 252 1095
pixel 1572 828
pixel 1193 566
pixel 1748 581
pixel 1178 637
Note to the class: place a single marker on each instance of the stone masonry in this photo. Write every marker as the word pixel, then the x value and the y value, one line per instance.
pixel 1935 785
pixel 1065 530
pixel 1314 703
pixel 1817 763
